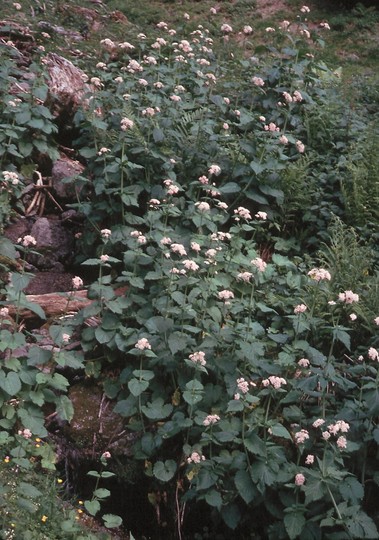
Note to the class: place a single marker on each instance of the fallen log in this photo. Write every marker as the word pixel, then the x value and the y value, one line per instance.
pixel 53 304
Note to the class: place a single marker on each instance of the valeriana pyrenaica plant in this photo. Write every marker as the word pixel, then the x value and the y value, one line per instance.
pixel 236 364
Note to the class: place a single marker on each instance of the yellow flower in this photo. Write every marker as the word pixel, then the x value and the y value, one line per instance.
pixel 60 481
pixel 7 459
pixel 44 518
pixel 80 502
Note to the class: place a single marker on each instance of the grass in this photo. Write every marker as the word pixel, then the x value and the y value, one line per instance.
pixel 351 44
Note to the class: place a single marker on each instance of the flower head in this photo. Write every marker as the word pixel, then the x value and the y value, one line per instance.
pixel 27 241
pixel 77 282
pixel 259 263
pixel 299 479
pixel 142 344
pixel 348 297
pixel 300 308
pixel 211 419
pixel 198 358
pixel 319 274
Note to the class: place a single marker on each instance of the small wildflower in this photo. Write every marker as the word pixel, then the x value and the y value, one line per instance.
pixel 325 25
pixel 318 423
pixel 226 28
pixel 301 436
pixel 198 358
pixel 270 29
pixel 103 150
pixel 214 169
pixel 211 419
pixel 373 354
pixel 303 362
pixel 300 147
pixel 326 435
pixel 195 457
pixel 202 206
pixel 305 9
pixel 258 81
pixel 261 215
pixel 27 241
pixel 319 274
pixel 300 308
pixel 106 455
pixel 376 321
pixel 225 295
pixel 142 344
pixel 190 265
pixel 274 381
pixel 175 98
pixel 105 233
pixel 178 248
pixel 26 433
pixel 348 297
pixel 260 264
pixel 244 276
pixel 243 213
pixel 247 30
pixel 341 442
pixel 4 312
pixel 104 258
pixel 309 460
pixel 65 338
pixel 44 519
pixel 126 124
pixel 77 282
pixel 195 246
pixel 353 316
pixel 243 385
pixel 299 479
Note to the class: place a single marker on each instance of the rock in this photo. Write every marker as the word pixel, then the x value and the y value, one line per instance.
pixel 54 243
pixel 49 282
pixel 67 84
pixel 65 167
pixel 17 229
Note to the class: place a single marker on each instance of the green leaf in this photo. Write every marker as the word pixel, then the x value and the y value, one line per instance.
pixel 280 431
pixel 28 490
pixel 177 342
pixel 7 249
pixel 194 392
pixel 92 507
pixel 341 335
pixel 294 523
pixel 101 493
pixel 231 515
pixel 33 418
pixel 136 386
pixel 38 356
pixel 213 498
pixel 351 490
pixel 64 408
pixel 111 520
pixel 156 410
pixel 164 471
pixel 245 486
pixel 10 383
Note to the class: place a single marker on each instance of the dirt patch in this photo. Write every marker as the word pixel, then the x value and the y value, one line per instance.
pixel 268 8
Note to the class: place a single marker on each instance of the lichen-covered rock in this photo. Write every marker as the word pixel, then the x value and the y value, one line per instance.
pixel 65 167
pixel 54 244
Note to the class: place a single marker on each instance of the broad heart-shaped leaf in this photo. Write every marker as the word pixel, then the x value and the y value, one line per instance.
pixel 351 489
pixel 294 523
pixel 10 383
pixel 194 392
pixel 64 408
pixel 177 342
pixel 136 386
pixel 231 515
pixel 213 498
pixel 32 418
pixel 156 410
pixel 280 431
pixel 340 334
pixel 38 356
pixel 164 471
pixel 111 520
pixel 92 507
pixel 245 486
